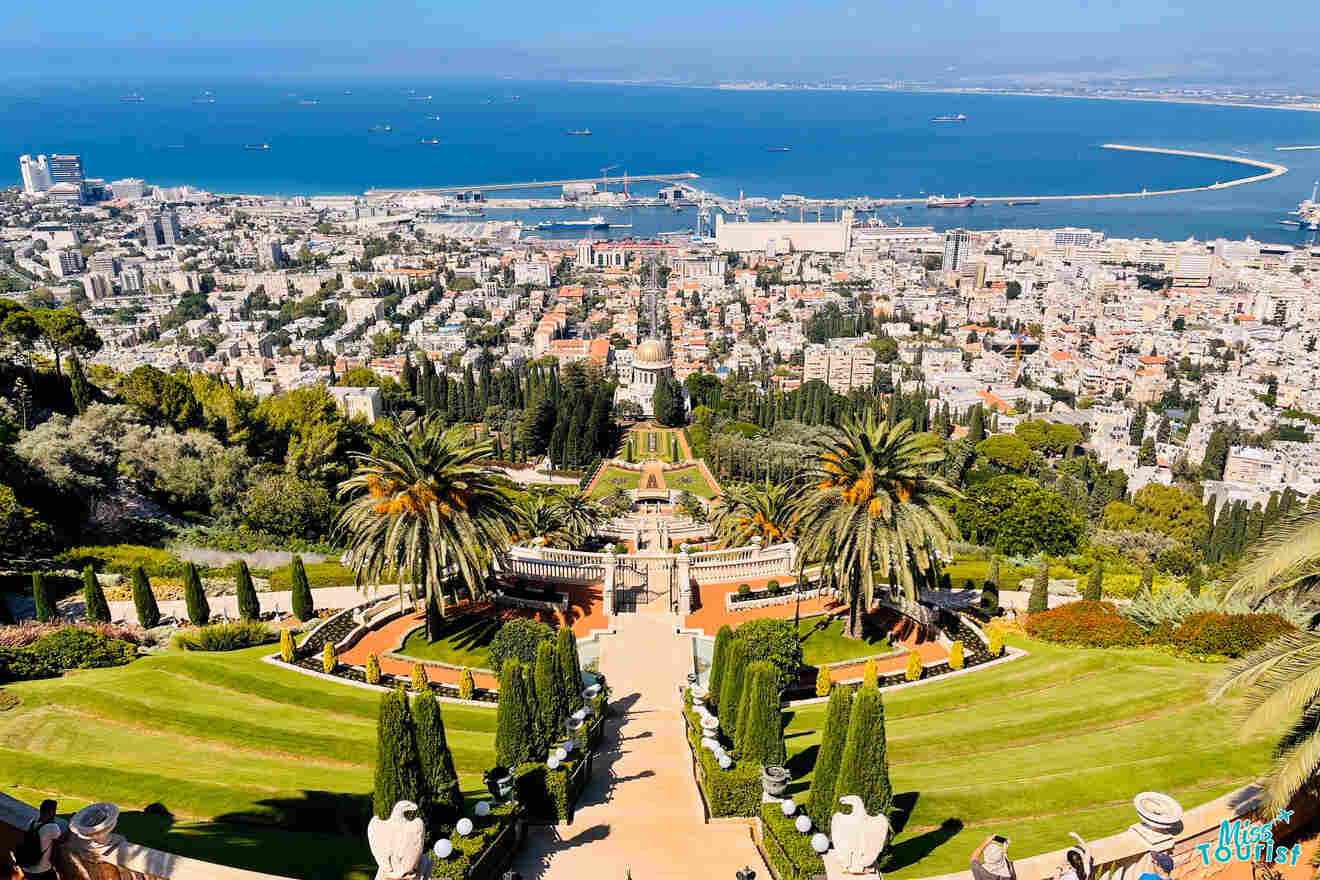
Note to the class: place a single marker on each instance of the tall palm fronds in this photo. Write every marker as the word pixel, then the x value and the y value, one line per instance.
pixel 768 512
pixel 872 503
pixel 539 516
pixel 419 506
pixel 1280 683
pixel 1286 557
pixel 581 515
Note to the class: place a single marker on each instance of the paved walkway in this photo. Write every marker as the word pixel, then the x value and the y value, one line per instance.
pixel 641 812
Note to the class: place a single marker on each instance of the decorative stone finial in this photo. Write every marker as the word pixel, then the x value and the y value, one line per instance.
pixel 858 838
pixel 95 825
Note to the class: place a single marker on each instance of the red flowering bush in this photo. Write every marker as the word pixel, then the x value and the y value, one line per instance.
pixel 1087 625
pixel 1229 635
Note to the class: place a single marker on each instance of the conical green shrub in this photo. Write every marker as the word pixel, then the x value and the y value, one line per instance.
pixel 1095 584
pixel 513 721
pixel 1039 600
pixel 398 770
pixel 762 730
pixel 744 707
pixel 1147 586
pixel 722 639
pixel 42 598
pixel 864 767
pixel 98 610
pixel 148 612
pixel 1194 580
pixel 442 801
pixel 735 663
pixel 551 703
pixel 820 800
pixel 199 610
pixel 301 598
pixel 570 669
pixel 249 607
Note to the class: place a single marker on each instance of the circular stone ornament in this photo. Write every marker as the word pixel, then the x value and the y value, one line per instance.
pixel 819 842
pixel 464 827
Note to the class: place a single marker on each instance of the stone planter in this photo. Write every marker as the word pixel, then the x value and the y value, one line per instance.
pixel 775 780
pixel 95 825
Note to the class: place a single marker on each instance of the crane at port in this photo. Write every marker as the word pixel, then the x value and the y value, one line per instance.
pixel 604 181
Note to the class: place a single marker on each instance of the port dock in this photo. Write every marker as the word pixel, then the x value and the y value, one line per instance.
pixel 679 178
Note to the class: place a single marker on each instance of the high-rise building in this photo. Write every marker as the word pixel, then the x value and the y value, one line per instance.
pixel 843 364
pixel 36 174
pixel 66 169
pixel 97 286
pixel 105 264
pixel 957 248
pixel 65 261
pixel 169 228
pixel 151 231
pixel 128 188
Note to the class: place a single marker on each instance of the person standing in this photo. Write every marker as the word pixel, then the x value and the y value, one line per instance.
pixel 35 854
pixel 990 861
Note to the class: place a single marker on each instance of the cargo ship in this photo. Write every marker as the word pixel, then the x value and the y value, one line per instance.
pixel 960 201
pixel 430 143
pixel 957 117
pixel 593 222
pixel 256 147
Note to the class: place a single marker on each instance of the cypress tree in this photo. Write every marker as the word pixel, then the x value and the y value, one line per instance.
pixel 41 597
pixel 148 612
pixel 78 386
pixel 1147 585
pixel 199 610
pixel 990 592
pixel 1095 584
pixel 550 701
pixel 763 736
pixel 1040 588
pixel 976 430
pixel 735 663
pixel 821 803
pixel 398 770
pixel 1194 580
pixel 513 722
pixel 570 669
pixel 94 598
pixel 717 657
pixel 744 707
pixel 441 802
pixel 303 609
pixel 249 608
pixel 864 767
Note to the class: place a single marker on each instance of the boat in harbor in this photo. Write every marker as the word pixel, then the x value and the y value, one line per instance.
pixel 580 132
pixel 595 221
pixel 133 98
pixel 381 128
pixel 959 201
pixel 309 102
pixel 778 149
pixel 429 142
pixel 256 146
pixel 957 117
pixel 1016 202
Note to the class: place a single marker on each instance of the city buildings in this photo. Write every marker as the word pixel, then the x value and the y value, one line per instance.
pixel 957 244
pixel 35 174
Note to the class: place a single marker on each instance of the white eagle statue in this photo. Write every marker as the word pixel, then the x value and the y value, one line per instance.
pixel 397 843
pixel 858 838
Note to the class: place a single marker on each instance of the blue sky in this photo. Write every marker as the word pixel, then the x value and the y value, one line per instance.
pixel 857 35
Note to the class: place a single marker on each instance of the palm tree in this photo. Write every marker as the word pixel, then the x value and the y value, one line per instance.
pixel 1281 681
pixel 874 504
pixel 745 512
pixel 420 506
pixel 581 515
pixel 540 517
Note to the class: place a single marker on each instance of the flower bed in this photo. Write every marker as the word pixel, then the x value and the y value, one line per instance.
pixel 1228 635
pixel 764 598
pixel 1087 625
pixel 1099 625
pixel 788 851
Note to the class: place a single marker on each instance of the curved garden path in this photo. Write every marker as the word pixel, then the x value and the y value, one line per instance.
pixel 641 812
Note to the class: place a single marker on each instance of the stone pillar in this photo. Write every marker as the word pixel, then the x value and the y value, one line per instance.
pixel 683 573
pixel 607 587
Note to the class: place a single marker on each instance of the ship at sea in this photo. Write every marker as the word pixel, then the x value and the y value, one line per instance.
pixel 580 132
pixel 133 98
pixel 1016 202
pixel 957 117
pixel 256 146
pixel 430 142
pixel 956 202
pixel 1308 211
pixel 594 222
pixel 778 149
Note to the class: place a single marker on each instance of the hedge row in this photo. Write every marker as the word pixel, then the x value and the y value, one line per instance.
pixel 788 850
pixel 550 795
pixel 732 792
pixel 69 648
pixel 1099 625
pixel 471 859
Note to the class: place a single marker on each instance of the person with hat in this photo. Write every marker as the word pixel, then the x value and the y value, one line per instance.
pixel 990 861
pixel 1161 865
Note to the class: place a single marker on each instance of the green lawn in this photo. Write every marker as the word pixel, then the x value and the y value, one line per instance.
pixel 690 479
pixel 1055 742
pixel 613 479
pixel 261 768
pixel 823 642
pixel 467 642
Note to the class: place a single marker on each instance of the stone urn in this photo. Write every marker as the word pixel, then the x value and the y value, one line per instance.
pixel 775 780
pixel 1158 812
pixel 499 782
pixel 95 825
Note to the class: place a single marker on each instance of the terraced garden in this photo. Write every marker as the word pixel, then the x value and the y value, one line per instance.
pixel 1055 742
pixel 261 768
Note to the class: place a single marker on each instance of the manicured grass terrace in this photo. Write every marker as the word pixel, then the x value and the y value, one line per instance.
pixel 612 479
pixel 1057 741
pixel 261 767
pixel 689 479
pixel 466 642
pixel 823 641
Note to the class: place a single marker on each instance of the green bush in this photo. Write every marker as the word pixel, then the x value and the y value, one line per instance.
pixel 718 653
pixel 371 671
pixel 913 670
pixel 225 636
pixel 20 664
pixel 864 766
pixel 318 574
pixel 569 667
pixel 199 610
pixel 301 598
pixel 744 589
pixel 329 659
pixel 467 688
pixel 479 846
pixel 820 801
pixel 775 641
pixel 442 801
pixel 732 792
pixel 772 585
pixel 249 607
pixel 517 639
pixel 76 648
pixel 1094 584
pixel 514 724
pixel 398 768
pixel 762 734
pixel 97 610
pixel 823 681
pixel 42 598
pixel 148 612
pixel 545 794
pixel 789 851
pixel 1086 624
pixel 956 655
pixel 735 664
pixel 1228 635
pixel 1039 600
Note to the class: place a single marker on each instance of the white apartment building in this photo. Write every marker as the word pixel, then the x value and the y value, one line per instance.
pixel 844 364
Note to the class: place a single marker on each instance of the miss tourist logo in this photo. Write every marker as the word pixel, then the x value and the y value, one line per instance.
pixel 1250 842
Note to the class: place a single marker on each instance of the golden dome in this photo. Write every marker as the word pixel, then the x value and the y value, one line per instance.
pixel 652 351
